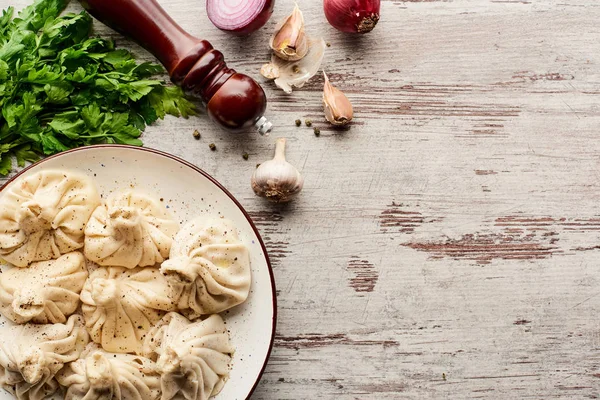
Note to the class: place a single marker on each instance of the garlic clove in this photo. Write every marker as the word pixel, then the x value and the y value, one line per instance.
pixel 338 109
pixel 289 41
pixel 292 74
pixel 277 180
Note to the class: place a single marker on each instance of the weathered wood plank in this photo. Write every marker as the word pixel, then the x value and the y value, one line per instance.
pixel 446 245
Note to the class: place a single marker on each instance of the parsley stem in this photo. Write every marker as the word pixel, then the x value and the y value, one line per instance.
pixel 93 136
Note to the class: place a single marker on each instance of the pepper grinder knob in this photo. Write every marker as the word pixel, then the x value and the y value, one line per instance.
pixel 239 104
pixel 234 101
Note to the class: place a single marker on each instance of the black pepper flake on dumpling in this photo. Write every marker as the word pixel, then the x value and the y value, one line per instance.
pixel 46 292
pixel 121 305
pixel 208 267
pixel 130 230
pixel 41 216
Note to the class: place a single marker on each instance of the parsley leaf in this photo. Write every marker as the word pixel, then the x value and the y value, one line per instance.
pixel 5 164
pixel 25 153
pixel 92 116
pixel 58 93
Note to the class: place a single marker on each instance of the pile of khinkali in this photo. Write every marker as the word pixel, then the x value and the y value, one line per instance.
pixel 112 300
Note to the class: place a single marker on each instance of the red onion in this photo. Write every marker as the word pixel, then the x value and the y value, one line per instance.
pixel 240 17
pixel 359 16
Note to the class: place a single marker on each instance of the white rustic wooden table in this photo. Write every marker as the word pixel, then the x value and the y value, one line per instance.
pixel 447 245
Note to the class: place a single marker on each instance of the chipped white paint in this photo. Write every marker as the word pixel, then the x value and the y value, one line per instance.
pixel 468 187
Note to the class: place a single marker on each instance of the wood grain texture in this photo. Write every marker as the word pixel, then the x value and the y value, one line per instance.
pixel 447 244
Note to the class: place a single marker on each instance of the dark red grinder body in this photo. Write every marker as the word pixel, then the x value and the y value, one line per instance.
pixel 234 101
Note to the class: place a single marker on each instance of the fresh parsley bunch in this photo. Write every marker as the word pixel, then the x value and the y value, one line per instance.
pixel 61 88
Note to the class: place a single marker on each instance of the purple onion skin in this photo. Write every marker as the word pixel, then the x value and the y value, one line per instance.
pixel 252 26
pixel 353 16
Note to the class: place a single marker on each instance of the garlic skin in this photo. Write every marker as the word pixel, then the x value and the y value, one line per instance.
pixel 338 109
pixel 277 180
pixel 289 42
pixel 270 71
pixel 294 74
pixel 296 57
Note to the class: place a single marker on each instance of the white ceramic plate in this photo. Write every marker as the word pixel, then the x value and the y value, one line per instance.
pixel 187 192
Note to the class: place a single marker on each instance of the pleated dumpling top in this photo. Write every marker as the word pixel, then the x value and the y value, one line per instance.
pixel 193 357
pixel 45 293
pixel 31 355
pixel 43 216
pixel 209 267
pixel 100 375
pixel 130 230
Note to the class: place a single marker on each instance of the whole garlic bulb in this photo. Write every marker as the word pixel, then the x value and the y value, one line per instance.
pixel 277 180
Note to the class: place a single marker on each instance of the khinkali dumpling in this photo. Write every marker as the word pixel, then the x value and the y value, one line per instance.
pixel 120 306
pixel 31 355
pixel 46 292
pixel 193 357
pixel 209 267
pixel 99 375
pixel 130 230
pixel 43 216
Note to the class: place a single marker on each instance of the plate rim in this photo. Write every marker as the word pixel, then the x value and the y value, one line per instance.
pixel 218 185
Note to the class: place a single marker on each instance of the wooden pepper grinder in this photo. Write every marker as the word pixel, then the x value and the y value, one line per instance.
pixel 234 101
